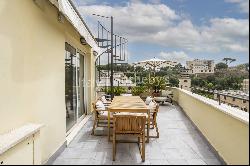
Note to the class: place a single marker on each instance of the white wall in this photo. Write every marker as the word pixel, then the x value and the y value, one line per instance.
pixel 32 69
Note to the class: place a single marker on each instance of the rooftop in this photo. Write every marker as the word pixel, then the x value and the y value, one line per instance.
pixel 179 143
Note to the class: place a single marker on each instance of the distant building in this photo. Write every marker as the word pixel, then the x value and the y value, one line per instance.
pixel 245 85
pixel 237 99
pixel 170 64
pixel 185 80
pixel 201 66
pixel 120 79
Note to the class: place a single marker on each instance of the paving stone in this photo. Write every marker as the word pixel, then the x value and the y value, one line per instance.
pixel 159 162
pixel 179 144
pixel 177 162
pixel 196 162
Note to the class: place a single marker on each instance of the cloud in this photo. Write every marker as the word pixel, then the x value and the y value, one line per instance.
pixel 135 18
pixel 227 34
pixel 242 4
pixel 175 56
pixel 158 24
pixel 155 1
pixel 84 2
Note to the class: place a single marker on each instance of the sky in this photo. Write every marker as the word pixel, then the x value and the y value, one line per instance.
pixel 176 30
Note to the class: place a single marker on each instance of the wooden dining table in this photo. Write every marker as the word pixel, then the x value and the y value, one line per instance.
pixel 128 104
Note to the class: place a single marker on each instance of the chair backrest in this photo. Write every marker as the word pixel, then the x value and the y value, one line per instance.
pixel 94 106
pixel 129 124
pixel 152 106
pixel 148 100
pixel 157 108
pixel 99 105
pixel 103 98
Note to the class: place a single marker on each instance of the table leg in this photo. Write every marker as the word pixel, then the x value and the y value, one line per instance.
pixel 109 126
pixel 148 126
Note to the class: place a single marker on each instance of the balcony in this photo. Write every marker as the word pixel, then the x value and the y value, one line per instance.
pixel 194 130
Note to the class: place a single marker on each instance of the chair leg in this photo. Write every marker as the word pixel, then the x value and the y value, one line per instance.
pixel 157 130
pixel 93 129
pixel 153 124
pixel 143 147
pixel 114 146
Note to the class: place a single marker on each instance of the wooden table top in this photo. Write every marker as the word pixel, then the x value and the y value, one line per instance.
pixel 128 104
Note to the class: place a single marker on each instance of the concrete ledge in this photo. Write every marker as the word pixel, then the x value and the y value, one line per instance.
pixel 76 129
pixel 15 136
pixel 234 112
pixel 56 154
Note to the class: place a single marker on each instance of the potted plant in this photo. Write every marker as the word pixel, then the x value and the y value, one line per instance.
pixel 117 91
pixel 138 90
pixel 156 84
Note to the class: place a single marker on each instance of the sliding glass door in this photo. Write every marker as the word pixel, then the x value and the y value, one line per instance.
pixel 74 86
pixel 80 86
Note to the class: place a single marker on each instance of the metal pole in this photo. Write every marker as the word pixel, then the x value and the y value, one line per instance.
pixel 219 99
pixel 112 56
pixel 99 68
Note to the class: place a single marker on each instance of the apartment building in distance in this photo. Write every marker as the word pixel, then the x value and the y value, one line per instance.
pixel 236 99
pixel 198 66
pixel 120 79
pixel 158 66
pixel 245 85
pixel 185 80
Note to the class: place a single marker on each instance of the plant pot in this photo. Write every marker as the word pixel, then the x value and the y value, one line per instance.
pixel 156 94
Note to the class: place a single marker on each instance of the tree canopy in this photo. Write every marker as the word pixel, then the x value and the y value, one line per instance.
pixel 221 65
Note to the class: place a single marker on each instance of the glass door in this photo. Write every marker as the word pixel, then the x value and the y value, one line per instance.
pixel 74 86
pixel 70 86
pixel 80 86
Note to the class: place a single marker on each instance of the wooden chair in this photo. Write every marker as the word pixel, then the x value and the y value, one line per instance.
pixel 130 125
pixel 100 118
pixel 105 101
pixel 153 119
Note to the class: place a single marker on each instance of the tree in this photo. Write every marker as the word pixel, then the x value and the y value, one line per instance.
pixel 247 66
pixel 155 83
pixel 230 60
pixel 173 81
pixel 210 86
pixel 221 65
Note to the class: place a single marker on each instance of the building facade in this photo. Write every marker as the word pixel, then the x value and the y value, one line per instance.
pixel 119 79
pixel 46 71
pixel 198 66
pixel 160 65
pixel 245 85
pixel 185 80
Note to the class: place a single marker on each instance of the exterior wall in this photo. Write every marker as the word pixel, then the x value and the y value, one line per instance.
pixel 32 69
pixel 226 130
